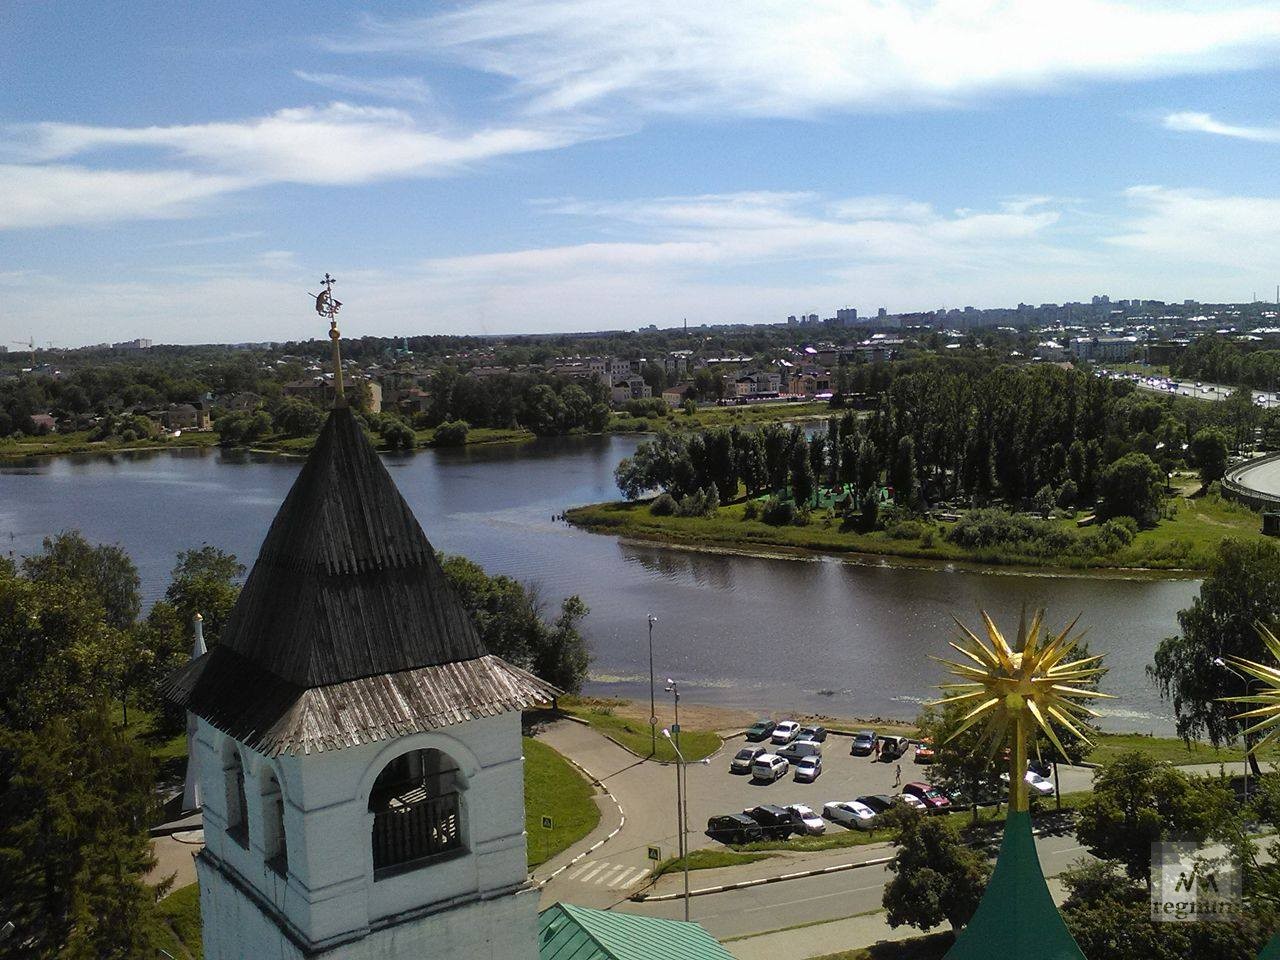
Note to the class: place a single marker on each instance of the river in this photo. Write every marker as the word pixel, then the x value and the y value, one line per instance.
pixel 775 634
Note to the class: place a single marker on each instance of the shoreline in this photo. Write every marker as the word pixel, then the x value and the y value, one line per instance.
pixel 863 558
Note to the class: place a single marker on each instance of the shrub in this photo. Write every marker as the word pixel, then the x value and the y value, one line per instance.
pixel 927 540
pixel 398 435
pixel 451 434
pixel 751 511
pixel 904 530
pixel 663 506
pixel 778 512
pixel 1068 493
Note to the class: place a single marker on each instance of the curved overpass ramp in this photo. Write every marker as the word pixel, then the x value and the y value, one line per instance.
pixel 1256 482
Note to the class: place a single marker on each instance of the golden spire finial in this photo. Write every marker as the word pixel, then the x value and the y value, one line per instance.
pixel 1021 687
pixel 326 306
pixel 1265 696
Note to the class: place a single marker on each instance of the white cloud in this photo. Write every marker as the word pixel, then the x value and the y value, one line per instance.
pixel 339 144
pixel 770 58
pixel 1239 236
pixel 407 89
pixel 1188 122
pixel 58 194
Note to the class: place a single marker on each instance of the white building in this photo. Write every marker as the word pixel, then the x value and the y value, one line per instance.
pixel 359 752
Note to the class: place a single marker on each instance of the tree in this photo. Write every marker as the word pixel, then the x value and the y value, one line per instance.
pixel 802 481
pixel 298 418
pixel 1132 486
pixel 962 764
pixel 106 571
pixel 543 410
pixel 75 801
pixel 906 485
pixel 204 581
pixel 452 433
pixel 1137 801
pixel 777 451
pixel 1209 453
pixel 867 474
pixel 398 435
pixel 597 418
pixel 752 469
pixel 935 876
pixel 1242 588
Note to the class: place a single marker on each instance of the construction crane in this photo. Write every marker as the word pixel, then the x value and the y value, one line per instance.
pixel 30 345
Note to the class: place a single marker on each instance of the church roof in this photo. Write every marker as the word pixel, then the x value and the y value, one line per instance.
pixel 347 628
pixel 567 932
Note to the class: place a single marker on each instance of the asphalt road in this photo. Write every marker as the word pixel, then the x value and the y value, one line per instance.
pixel 1265 477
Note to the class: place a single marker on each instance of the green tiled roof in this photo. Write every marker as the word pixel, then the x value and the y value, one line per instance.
pixel 567 932
pixel 1017 916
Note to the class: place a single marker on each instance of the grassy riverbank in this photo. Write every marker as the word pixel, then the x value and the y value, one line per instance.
pixel 1185 541
pixel 55 444
pixel 705 417
pixel 635 734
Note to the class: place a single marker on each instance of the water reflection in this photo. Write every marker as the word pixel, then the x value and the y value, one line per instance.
pixel 750 631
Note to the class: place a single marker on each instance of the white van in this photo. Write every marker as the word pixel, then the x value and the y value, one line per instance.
pixel 800 748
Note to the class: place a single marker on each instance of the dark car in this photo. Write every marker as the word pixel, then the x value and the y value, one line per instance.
pixel 879 802
pixel 814 733
pixel 733 828
pixel 864 742
pixel 744 759
pixel 893 748
pixel 935 800
pixel 760 730
pixel 776 823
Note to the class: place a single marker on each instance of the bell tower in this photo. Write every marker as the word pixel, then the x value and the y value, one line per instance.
pixel 358 749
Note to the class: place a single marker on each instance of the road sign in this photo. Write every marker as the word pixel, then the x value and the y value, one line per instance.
pixel 655 853
pixel 653 721
pixel 546 823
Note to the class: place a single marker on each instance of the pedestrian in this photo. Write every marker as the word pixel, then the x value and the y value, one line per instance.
pixel 897 775
pixel 875 757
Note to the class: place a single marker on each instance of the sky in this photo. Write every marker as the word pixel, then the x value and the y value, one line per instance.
pixel 187 172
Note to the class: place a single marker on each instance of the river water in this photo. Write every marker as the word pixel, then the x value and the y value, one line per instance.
pixel 822 635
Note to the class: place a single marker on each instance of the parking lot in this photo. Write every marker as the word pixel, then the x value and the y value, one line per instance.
pixel 714 790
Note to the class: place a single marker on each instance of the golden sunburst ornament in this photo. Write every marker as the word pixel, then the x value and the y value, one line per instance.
pixel 1268 698
pixel 1019 688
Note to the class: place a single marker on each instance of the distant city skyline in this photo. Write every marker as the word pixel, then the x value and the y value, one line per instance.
pixel 186 175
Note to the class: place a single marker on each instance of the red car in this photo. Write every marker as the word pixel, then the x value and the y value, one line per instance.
pixel 935 800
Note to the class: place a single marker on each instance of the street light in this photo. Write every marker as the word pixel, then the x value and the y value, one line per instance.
pixel 1219 662
pixel 682 820
pixel 673 688
pixel 653 703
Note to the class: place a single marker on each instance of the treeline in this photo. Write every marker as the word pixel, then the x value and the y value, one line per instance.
pixel 1024 436
pixel 1220 360
pixel 546 404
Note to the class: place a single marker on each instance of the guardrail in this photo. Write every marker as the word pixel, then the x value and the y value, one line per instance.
pixel 1233 489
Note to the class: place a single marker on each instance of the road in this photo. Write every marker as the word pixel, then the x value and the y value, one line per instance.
pixel 1263 477
pixel 1205 391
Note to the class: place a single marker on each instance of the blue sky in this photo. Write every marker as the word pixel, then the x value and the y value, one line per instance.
pixel 185 172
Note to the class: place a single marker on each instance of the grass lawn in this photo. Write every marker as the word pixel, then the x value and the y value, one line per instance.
pixel 180 911
pixel 930 947
pixel 721 417
pixel 79 442
pixel 1187 540
pixel 708 859
pixel 1108 746
pixel 636 736
pixel 554 788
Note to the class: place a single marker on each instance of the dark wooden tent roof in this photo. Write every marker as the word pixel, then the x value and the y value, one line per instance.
pixel 347 628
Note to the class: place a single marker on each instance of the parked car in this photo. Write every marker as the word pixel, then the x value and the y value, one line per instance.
pixel 808 821
pixel 733 828
pixel 876 802
pixel 893 748
pixel 808 769
pixel 769 767
pixel 924 751
pixel 864 743
pixel 776 823
pixel 800 748
pixel 935 800
pixel 760 730
pixel 850 813
pixel 1042 767
pixel 744 759
pixel 785 732
pixel 813 732
pixel 912 801
pixel 1035 782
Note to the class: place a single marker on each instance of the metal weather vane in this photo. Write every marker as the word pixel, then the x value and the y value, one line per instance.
pixel 1021 687
pixel 328 308
pixel 1267 713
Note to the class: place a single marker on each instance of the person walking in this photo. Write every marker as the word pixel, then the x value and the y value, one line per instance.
pixel 897 775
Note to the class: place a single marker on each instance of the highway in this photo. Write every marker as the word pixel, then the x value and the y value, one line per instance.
pixel 1199 391
pixel 1263 477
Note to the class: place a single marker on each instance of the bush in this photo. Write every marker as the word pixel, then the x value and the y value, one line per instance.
pixel 649 407
pixel 751 511
pixel 451 434
pixel 700 503
pixel 904 530
pixel 663 506
pixel 1068 494
pixel 778 513
pixel 398 435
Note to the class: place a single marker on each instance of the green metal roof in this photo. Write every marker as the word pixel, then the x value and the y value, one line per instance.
pixel 1272 949
pixel 1017 916
pixel 566 932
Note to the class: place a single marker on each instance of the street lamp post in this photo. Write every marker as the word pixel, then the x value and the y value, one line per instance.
pixel 673 688
pixel 653 702
pixel 1219 662
pixel 682 820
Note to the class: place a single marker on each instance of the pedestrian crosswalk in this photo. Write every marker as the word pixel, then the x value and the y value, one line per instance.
pixel 615 876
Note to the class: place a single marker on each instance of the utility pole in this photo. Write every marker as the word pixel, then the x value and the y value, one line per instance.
pixel 682 820
pixel 653 701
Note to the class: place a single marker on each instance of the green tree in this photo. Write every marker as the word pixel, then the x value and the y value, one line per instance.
pixel 106 571
pixel 906 485
pixel 1209 453
pixel 597 418
pixel 867 472
pixel 297 418
pixel 935 876
pixel 1137 801
pixel 802 480
pixel 752 468
pixel 204 581
pixel 452 433
pixel 1132 486
pixel 398 435
pixel 1242 588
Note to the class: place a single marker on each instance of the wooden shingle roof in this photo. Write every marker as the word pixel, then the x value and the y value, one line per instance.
pixel 347 629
